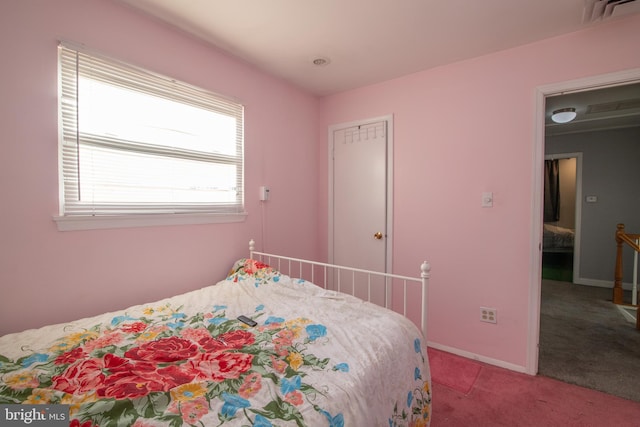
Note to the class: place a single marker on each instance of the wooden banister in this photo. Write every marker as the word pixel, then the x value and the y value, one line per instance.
pixel 630 239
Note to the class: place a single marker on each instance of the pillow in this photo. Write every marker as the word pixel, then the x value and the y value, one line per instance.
pixel 246 269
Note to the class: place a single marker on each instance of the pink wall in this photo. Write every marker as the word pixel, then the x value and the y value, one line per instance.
pixel 47 276
pixel 460 130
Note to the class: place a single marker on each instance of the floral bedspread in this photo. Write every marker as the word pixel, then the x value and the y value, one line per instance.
pixel 315 358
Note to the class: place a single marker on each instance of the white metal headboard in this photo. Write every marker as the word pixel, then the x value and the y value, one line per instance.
pixel 305 270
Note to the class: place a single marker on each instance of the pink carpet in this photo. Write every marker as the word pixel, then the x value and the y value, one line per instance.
pixel 453 371
pixel 500 397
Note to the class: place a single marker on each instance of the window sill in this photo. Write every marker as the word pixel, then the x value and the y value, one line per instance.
pixel 72 223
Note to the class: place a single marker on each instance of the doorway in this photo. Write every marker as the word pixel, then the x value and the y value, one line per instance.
pixel 360 197
pixel 562 217
pixel 580 85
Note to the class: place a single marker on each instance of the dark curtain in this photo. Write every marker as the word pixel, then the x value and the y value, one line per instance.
pixel 551 191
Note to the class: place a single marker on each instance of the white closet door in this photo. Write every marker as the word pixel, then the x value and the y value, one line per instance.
pixel 360 201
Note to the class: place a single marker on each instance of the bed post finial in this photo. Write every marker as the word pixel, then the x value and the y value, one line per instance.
pixel 252 247
pixel 425 270
pixel 425 273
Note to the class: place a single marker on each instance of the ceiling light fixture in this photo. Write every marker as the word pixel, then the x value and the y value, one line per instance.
pixel 563 115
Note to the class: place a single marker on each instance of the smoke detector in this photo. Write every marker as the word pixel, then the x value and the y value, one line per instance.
pixel 599 10
pixel 321 61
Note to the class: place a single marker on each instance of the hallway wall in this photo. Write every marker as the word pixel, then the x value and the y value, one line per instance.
pixel 610 172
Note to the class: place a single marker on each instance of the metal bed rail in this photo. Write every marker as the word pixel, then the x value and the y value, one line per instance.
pixel 331 276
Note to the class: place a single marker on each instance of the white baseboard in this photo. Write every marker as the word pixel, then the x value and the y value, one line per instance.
pixel 601 283
pixel 478 357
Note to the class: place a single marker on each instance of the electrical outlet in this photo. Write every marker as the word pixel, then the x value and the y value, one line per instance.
pixel 489 315
pixel 487 199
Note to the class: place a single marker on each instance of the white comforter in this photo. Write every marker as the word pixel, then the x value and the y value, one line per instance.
pixel 315 358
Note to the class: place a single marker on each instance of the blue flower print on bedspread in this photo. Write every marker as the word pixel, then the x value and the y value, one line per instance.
pixel 273 320
pixel 337 421
pixel 418 404
pixel 34 358
pixel 316 331
pixel 232 402
pixel 290 385
pixel 342 367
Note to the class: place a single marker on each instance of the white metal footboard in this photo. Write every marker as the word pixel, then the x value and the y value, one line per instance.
pixel 343 279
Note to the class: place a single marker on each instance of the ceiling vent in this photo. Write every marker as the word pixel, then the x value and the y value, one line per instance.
pixel 607 107
pixel 598 10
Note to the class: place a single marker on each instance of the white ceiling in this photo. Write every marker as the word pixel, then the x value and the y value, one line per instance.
pixel 370 41
pixel 367 41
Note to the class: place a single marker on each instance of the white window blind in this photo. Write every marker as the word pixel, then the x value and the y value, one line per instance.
pixel 135 142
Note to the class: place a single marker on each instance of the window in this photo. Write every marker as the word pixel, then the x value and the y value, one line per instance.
pixel 137 146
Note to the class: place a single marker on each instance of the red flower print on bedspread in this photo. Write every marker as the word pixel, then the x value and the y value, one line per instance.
pixel 156 366
pixel 71 356
pixel 169 349
pixel 220 366
pixel 132 380
pixel 81 377
pixel 231 340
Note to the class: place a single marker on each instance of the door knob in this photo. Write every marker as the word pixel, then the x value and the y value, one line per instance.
pixel 378 235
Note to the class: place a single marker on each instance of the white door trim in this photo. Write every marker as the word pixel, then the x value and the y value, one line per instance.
pixel 535 273
pixel 389 205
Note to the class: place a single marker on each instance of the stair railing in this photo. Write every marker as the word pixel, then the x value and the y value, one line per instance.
pixel 618 293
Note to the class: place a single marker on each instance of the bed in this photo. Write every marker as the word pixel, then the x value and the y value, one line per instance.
pixel 557 239
pixel 309 354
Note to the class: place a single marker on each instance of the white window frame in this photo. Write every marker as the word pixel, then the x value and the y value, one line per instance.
pixel 76 215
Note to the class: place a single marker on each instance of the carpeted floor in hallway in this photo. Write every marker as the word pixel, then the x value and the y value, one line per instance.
pixel 586 340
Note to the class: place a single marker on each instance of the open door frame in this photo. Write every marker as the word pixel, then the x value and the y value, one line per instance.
pixel 535 279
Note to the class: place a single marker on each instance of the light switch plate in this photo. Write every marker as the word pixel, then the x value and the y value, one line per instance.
pixel 264 193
